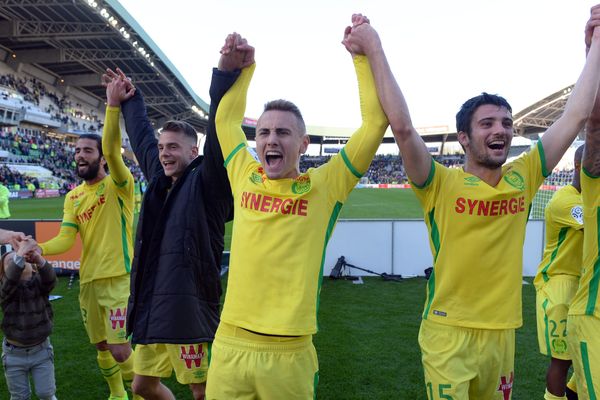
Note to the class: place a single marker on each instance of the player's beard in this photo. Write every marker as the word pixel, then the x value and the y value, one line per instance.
pixel 91 171
pixel 486 160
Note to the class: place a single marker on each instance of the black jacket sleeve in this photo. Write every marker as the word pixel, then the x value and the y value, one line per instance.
pixel 141 135
pixel 216 183
pixel 10 281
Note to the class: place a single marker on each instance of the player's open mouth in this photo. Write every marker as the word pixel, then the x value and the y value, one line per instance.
pixel 497 145
pixel 273 158
pixel 168 164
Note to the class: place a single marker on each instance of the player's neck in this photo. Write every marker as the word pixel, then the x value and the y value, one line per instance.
pixel 486 174
pixel 101 175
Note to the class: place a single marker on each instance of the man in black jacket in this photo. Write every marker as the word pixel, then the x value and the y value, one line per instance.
pixel 173 309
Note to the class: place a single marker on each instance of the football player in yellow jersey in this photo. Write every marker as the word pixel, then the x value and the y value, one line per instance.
pixel 473 297
pixel 583 323
pixel 101 210
pixel 557 279
pixel 282 222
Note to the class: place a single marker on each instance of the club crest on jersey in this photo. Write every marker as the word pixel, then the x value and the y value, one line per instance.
pixel 515 180
pixel 100 190
pixel 559 346
pixel 577 214
pixel 192 355
pixel 301 184
pixel 117 318
pixel 472 181
pixel 258 176
pixel 506 386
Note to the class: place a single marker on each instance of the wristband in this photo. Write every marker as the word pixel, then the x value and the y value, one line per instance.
pixel 19 261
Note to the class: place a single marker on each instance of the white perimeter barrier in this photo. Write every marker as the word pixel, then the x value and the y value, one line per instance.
pixel 401 247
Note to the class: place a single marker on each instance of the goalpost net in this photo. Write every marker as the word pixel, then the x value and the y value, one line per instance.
pixel 551 184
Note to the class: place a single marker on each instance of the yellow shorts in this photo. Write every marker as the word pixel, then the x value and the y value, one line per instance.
pixel 584 342
pixel 103 305
pixel 552 306
pixel 245 365
pixel 190 361
pixel 464 363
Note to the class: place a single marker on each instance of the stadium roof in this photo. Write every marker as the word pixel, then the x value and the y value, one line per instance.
pixel 76 40
pixel 539 116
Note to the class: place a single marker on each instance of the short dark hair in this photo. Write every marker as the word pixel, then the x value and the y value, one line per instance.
pixel 95 137
pixel 98 140
pixel 181 127
pixel 285 105
pixel 465 114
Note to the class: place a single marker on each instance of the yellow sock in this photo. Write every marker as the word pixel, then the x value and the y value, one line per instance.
pixel 550 396
pixel 572 384
pixel 127 374
pixel 111 372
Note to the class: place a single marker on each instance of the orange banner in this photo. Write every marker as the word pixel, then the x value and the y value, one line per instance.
pixel 46 230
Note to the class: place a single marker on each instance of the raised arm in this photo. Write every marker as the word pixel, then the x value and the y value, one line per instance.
pixel 214 173
pixel 363 39
pixel 591 153
pixel 360 149
pixel 564 130
pixel 237 54
pixel 139 129
pixel 117 91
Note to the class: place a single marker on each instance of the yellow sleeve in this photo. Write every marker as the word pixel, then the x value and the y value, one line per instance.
pixel 360 149
pixel 66 236
pixel 567 212
pixel 111 147
pixel 228 121
pixel 427 193
pixel 345 168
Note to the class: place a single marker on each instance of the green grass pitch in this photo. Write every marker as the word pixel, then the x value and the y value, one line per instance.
pixel 367 343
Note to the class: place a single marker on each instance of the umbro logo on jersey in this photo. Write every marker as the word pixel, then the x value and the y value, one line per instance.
pixel 472 181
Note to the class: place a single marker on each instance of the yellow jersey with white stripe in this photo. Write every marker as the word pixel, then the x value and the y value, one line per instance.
pixel 586 301
pixel 564 236
pixel 281 227
pixel 476 235
pixel 102 213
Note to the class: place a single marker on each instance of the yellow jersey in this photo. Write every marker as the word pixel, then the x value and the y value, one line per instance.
pixel 281 227
pixel 476 235
pixel 564 236
pixel 585 301
pixel 102 213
